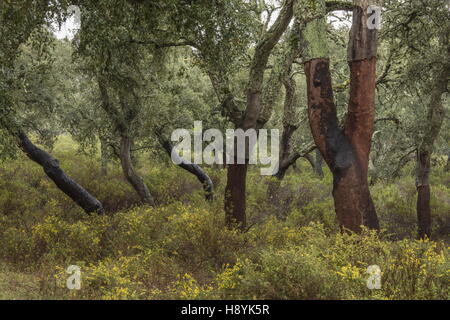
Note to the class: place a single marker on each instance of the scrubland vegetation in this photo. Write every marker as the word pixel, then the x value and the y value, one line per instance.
pixel 183 250
pixel 356 90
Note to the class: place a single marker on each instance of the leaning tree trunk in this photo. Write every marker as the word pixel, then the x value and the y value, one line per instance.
pixel 66 184
pixel 130 173
pixel 434 123
pixel 193 168
pixel 345 150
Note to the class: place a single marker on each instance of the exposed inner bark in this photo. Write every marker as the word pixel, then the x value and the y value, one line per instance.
pixel 130 173
pixel 353 204
pixel 346 151
pixel 195 169
pixel 66 184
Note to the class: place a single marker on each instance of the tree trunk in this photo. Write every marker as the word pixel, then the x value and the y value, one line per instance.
pixel 66 184
pixel 346 151
pixel 353 203
pixel 235 195
pixel 423 195
pixel 435 118
pixel 318 164
pixel 195 169
pixel 315 162
pixel 130 173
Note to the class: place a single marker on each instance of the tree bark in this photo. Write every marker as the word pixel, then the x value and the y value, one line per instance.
pixel 130 173
pixel 123 124
pixel 235 195
pixel 195 169
pixel 435 118
pixel 318 164
pixel 66 184
pixel 346 151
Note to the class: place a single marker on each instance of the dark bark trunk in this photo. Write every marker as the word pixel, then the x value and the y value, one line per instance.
pixel 130 173
pixel 318 164
pixel 423 195
pixel 66 184
pixel 235 195
pixel 195 169
pixel 291 159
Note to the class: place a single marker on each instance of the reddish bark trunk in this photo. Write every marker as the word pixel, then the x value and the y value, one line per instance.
pixel 235 195
pixel 361 109
pixel 345 151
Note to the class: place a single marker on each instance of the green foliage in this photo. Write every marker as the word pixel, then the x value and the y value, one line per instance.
pixel 182 249
pixel 164 63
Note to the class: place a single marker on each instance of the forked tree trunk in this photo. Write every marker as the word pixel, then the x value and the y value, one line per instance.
pixel 235 196
pixel 126 159
pixel 66 184
pixel 130 173
pixel 346 151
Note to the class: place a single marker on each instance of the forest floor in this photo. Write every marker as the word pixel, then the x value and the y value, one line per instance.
pixel 17 285
pixel 182 250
